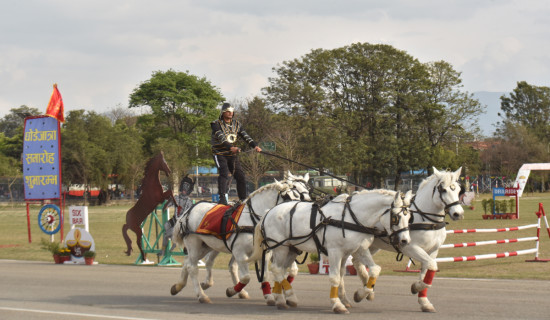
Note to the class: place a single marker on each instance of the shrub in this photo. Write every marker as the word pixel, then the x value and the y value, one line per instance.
pixel 53 247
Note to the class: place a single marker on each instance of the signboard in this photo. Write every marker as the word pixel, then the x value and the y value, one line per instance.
pixel 78 215
pixel 41 158
pixel 505 192
pixel 79 241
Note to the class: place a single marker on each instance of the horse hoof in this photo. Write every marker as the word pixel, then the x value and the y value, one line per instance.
pixel 413 289
pixel 270 302
pixel 243 295
pixel 230 292
pixel 292 304
pixel 357 297
pixel 428 309
pixel 205 285
pixel 282 306
pixel 340 310
pixel 205 300
pixel 370 296
pixel 173 290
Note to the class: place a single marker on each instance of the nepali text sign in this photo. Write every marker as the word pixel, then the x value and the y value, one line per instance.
pixel 41 158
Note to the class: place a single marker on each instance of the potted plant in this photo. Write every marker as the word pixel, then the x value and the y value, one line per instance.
pixel 313 266
pixel 512 214
pixel 487 205
pixel 89 257
pixel 54 248
pixel 503 209
pixel 65 254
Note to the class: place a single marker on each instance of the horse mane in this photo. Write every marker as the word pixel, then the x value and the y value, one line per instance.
pixel 148 166
pixel 263 188
pixel 379 191
pixel 446 179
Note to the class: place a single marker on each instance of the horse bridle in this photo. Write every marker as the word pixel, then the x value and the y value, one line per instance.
pixel 394 221
pixel 446 209
pixel 297 192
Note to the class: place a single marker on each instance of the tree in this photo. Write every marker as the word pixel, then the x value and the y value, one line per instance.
pixel 9 167
pixel 529 106
pixel 449 116
pixel 370 110
pixel 126 153
pixel 256 119
pixel 300 90
pixel 182 107
pixel 85 149
pixel 14 120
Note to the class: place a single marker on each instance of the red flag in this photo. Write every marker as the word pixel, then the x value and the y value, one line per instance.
pixel 55 106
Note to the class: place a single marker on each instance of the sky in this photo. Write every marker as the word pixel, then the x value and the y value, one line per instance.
pixel 99 51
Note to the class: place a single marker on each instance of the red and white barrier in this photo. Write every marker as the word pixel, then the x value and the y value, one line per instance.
pixel 534 250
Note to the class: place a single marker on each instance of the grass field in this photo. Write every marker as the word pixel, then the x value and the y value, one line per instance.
pixel 106 223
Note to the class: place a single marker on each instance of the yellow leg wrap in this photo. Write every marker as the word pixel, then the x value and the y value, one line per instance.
pixel 371 282
pixel 333 292
pixel 286 285
pixel 277 288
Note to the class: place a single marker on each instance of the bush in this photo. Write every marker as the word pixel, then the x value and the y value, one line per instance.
pixel 89 254
pixel 53 247
pixel 314 257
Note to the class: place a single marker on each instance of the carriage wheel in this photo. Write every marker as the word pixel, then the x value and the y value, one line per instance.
pixel 49 219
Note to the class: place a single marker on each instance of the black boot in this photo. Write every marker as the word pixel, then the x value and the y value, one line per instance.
pixel 223 199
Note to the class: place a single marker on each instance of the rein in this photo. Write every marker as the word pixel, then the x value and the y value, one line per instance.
pixel 329 221
pixel 312 168
pixel 435 224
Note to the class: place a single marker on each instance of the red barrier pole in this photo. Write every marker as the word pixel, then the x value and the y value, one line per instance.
pixel 540 214
pixel 28 223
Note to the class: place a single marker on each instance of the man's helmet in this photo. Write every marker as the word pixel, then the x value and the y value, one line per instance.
pixel 227 107
pixel 186 185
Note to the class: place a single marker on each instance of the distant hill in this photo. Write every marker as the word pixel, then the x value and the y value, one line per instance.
pixel 492 101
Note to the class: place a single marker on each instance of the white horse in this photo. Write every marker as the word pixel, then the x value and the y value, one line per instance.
pixel 344 226
pixel 239 243
pixel 437 195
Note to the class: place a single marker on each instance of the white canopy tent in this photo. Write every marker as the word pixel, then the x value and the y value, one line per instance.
pixel 523 174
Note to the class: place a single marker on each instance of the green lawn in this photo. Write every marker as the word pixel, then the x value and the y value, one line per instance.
pixel 106 224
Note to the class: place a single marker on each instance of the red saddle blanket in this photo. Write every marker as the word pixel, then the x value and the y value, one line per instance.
pixel 212 221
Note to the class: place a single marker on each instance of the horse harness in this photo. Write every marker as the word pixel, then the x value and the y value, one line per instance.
pixel 329 221
pixel 227 218
pixel 434 223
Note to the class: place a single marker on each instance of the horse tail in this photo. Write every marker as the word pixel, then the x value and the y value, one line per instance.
pixel 258 240
pixel 127 239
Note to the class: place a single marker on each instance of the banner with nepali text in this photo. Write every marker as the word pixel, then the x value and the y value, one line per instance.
pixel 42 158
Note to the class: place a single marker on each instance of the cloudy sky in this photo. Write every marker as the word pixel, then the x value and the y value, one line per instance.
pixel 99 51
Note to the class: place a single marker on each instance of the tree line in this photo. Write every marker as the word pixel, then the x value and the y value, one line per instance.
pixel 367 111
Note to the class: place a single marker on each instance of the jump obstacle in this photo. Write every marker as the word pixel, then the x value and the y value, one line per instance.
pixel 152 241
pixel 540 214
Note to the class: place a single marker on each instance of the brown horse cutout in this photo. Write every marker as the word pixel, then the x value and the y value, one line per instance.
pixel 151 195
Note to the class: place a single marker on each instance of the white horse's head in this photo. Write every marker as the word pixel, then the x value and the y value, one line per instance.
pixel 397 222
pixel 299 188
pixel 446 191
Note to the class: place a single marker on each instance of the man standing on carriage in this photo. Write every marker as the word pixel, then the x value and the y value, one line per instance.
pixel 225 131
